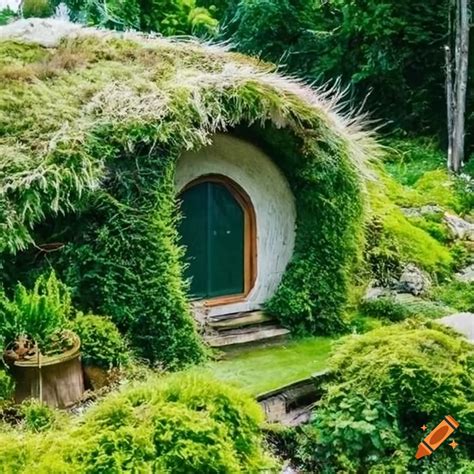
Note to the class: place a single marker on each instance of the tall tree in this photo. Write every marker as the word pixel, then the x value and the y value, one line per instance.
pixel 456 80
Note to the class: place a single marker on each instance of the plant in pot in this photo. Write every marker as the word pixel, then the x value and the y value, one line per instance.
pixel 44 356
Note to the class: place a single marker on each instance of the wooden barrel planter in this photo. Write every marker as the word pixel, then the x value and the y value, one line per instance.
pixel 58 380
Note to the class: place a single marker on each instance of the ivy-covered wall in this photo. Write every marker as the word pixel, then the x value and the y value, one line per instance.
pixel 94 197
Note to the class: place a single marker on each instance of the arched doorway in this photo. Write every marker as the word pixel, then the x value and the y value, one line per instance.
pixel 218 232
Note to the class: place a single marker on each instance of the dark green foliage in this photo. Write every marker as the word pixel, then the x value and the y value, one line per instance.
pixel 102 345
pixel 168 17
pixel 184 424
pixel 6 385
pixel 391 309
pixel 39 314
pixel 37 416
pixel 386 308
pixel 386 384
pixel 6 16
pixel 392 48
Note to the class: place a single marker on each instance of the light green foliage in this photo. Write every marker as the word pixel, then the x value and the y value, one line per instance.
pixel 104 183
pixel 394 239
pixel 102 345
pixel 459 295
pixel 183 424
pixel 39 313
pixel 37 416
pixel 386 384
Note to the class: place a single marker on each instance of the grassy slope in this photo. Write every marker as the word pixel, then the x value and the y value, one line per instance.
pixel 259 370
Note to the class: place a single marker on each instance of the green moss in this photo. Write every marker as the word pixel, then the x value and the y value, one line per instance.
pixel 261 369
pixel 412 243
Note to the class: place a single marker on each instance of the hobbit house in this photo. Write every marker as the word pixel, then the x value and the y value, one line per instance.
pixel 169 181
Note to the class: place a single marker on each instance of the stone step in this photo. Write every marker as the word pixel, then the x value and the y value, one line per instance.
pixel 247 336
pixel 239 320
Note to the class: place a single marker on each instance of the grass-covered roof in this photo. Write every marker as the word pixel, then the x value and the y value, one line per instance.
pixel 91 125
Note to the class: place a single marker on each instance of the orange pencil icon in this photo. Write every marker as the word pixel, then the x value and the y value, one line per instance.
pixel 437 437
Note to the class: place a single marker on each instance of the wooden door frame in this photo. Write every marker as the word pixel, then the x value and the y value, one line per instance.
pixel 250 235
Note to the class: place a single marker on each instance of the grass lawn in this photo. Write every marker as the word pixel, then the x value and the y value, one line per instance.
pixel 262 369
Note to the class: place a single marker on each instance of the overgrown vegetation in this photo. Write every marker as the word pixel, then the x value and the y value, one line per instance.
pixel 188 424
pixel 386 384
pixel 131 113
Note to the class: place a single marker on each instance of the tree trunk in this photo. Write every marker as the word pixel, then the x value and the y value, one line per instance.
pixel 460 86
pixel 449 103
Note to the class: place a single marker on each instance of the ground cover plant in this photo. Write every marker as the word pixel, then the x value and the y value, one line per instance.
pixel 386 384
pixel 180 424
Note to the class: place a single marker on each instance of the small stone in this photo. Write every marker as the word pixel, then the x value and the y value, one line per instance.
pixel 459 228
pixel 466 275
pixel 375 292
pixel 413 280
pixel 462 323
pixel 421 211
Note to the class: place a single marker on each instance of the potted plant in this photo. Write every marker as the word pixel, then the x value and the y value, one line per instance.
pixel 44 356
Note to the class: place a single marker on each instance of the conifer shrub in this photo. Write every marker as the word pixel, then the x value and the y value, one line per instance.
pixel 102 345
pixel 6 386
pixel 385 385
pixel 202 426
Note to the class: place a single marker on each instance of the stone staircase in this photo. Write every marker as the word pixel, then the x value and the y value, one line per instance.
pixel 231 330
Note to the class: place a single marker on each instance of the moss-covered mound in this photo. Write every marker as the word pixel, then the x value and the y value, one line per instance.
pixel 91 126
pixel 181 424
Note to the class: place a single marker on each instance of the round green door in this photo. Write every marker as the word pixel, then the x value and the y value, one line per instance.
pixel 213 232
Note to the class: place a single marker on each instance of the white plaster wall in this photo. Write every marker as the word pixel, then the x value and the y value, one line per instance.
pixel 273 202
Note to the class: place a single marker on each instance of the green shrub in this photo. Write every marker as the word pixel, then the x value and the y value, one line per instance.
pixel 37 416
pixel 385 385
pixel 37 8
pixel 386 308
pixel 40 313
pixel 180 424
pixel 459 295
pixel 394 310
pixel 102 345
pixel 7 15
pixel 7 386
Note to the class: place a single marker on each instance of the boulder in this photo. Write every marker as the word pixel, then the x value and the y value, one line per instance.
pixel 466 275
pixel 413 280
pixel 462 323
pixel 459 228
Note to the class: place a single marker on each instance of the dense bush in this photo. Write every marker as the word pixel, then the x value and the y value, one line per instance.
pixel 183 424
pixel 386 384
pixel 102 345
